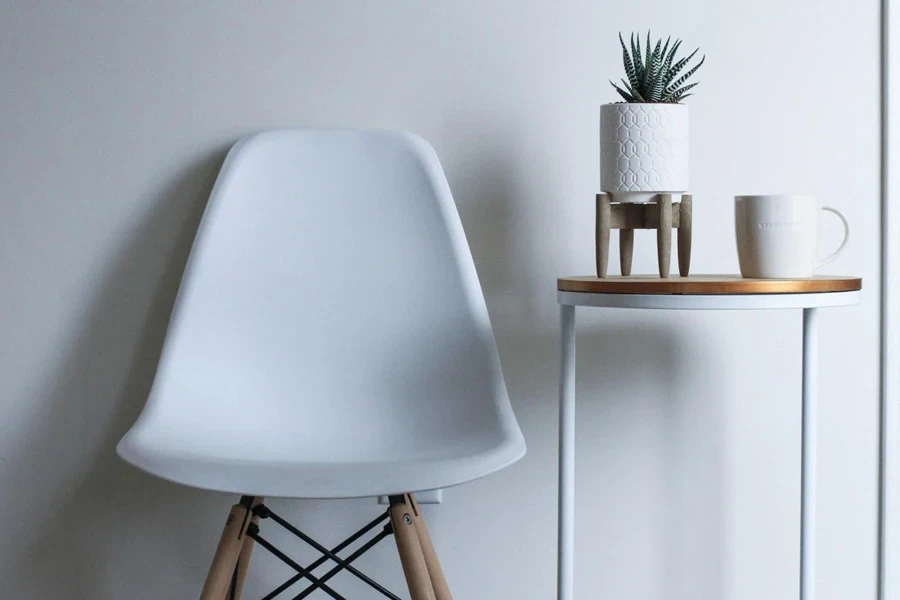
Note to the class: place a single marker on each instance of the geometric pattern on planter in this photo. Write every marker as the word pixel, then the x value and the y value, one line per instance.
pixel 644 147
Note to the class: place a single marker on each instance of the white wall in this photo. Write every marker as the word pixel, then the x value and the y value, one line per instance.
pixel 114 119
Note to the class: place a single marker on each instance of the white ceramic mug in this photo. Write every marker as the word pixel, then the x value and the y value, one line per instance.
pixel 778 235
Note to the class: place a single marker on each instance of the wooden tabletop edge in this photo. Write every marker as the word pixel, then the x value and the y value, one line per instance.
pixel 708 285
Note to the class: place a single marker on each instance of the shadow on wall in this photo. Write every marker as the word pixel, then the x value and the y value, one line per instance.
pixel 650 467
pixel 651 454
pixel 487 184
pixel 89 504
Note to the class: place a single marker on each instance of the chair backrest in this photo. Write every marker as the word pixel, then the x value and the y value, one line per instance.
pixel 330 307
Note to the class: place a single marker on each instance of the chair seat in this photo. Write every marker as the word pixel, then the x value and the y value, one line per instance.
pixel 330 338
pixel 444 465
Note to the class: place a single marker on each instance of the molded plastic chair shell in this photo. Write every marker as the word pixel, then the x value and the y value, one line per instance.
pixel 330 337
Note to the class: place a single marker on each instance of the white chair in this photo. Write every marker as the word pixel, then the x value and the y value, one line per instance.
pixel 330 340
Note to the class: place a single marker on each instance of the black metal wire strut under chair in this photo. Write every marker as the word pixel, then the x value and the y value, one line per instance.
pixel 402 519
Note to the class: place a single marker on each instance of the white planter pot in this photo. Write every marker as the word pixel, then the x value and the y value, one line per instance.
pixel 643 150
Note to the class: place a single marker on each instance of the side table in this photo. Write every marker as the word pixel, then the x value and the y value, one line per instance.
pixel 710 292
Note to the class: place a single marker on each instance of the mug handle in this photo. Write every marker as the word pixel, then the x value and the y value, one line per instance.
pixel 834 254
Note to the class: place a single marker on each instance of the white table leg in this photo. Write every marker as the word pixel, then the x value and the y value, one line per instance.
pixel 808 450
pixel 566 541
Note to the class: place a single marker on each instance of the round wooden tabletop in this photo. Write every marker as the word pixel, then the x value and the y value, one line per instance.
pixel 706 285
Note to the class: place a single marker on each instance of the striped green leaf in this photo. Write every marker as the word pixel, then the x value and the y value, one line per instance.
pixel 629 64
pixel 676 84
pixel 628 97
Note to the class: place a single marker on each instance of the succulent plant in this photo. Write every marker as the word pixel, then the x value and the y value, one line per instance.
pixel 653 75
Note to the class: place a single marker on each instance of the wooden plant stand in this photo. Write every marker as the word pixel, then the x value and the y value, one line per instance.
pixel 661 214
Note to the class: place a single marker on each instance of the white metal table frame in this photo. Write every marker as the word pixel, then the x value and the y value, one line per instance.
pixel 808 302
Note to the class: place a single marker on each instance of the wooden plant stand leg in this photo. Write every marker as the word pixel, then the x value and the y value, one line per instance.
pixel 626 250
pixel 411 557
pixel 435 572
pixel 664 234
pixel 229 549
pixel 602 234
pixel 243 564
pixel 684 236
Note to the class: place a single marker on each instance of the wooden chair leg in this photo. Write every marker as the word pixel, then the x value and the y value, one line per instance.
pixel 664 234
pixel 411 556
pixel 602 234
pixel 218 580
pixel 243 564
pixel 626 250
pixel 438 581
pixel 684 236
